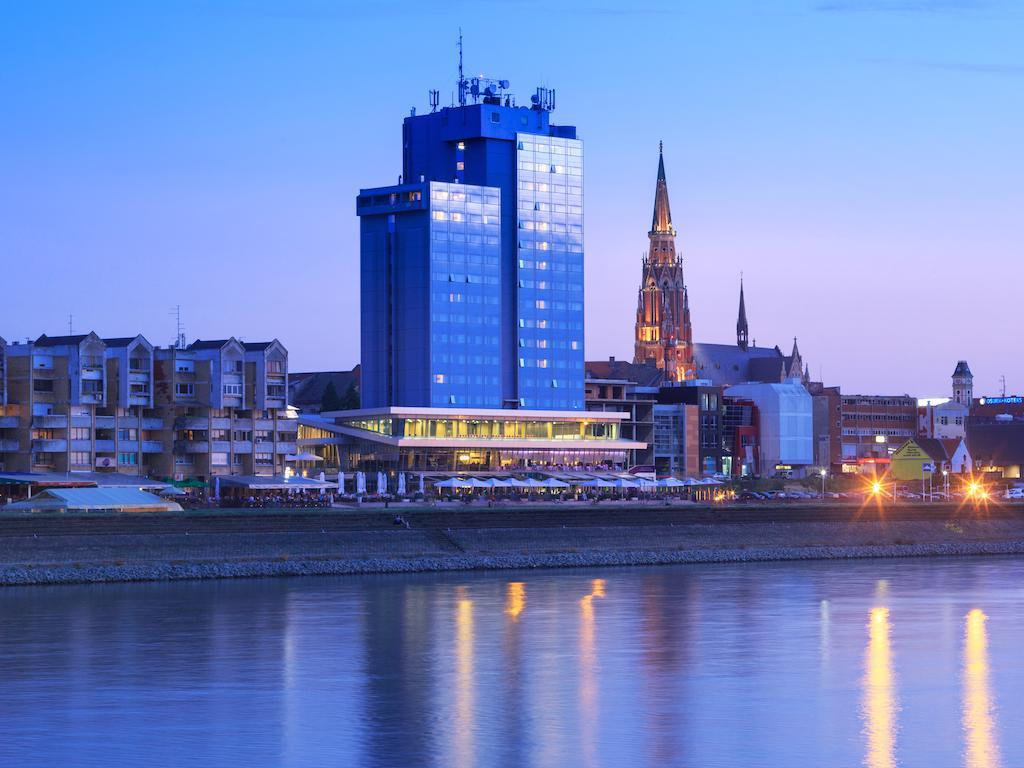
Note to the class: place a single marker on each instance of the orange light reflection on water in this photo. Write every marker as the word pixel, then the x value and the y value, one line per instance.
pixel 879 703
pixel 515 599
pixel 588 673
pixel 978 715
pixel 464 700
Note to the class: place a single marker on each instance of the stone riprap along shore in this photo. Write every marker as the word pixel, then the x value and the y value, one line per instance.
pixel 55 549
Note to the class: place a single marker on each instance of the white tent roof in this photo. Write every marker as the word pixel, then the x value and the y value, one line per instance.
pixel 96 498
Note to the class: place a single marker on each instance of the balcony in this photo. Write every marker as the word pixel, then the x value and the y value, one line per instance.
pixel 242 446
pixel 105 422
pixel 152 423
pixel 152 446
pixel 81 421
pixel 191 446
pixel 220 422
pixel 53 421
pixel 220 446
pixel 286 448
pixel 129 446
pixel 191 422
pixel 9 446
pixel 263 424
pixel 8 422
pixel 104 446
pixel 81 445
pixel 243 424
pixel 49 446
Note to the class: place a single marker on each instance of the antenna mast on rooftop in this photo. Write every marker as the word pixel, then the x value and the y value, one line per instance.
pixel 462 79
pixel 179 331
pixel 1003 380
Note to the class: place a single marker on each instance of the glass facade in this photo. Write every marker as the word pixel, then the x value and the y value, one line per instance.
pixel 465 295
pixel 549 181
pixel 489 428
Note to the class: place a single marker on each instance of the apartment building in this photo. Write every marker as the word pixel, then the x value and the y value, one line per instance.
pixel 82 403
pixel 229 401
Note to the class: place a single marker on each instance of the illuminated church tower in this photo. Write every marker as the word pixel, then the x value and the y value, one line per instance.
pixel 663 333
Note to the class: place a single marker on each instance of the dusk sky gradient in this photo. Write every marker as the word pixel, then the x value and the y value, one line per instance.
pixel 861 161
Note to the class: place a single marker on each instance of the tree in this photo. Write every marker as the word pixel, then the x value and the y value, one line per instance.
pixel 351 399
pixel 331 400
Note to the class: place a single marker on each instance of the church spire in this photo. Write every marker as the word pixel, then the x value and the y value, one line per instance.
pixel 661 222
pixel 742 332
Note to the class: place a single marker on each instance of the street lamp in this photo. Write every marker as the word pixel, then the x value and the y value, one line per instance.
pixel 824 474
pixel 945 483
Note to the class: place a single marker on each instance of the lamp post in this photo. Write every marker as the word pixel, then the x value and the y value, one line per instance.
pixel 945 483
pixel 824 474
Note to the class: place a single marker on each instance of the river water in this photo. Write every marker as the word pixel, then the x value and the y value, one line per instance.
pixel 875 663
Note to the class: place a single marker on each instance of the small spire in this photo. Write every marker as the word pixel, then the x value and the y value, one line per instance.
pixel 742 331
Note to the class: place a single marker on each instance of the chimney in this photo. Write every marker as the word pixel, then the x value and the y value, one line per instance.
pixel 611 358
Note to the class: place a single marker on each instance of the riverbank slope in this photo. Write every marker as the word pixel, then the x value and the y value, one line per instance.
pixel 288 543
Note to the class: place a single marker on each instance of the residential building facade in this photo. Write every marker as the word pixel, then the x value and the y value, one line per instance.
pixel 85 404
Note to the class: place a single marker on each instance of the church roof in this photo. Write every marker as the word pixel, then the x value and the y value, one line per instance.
pixel 727 364
pixel 661 222
pixel 741 322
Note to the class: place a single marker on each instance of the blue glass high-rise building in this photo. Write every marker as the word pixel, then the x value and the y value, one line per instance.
pixel 472 270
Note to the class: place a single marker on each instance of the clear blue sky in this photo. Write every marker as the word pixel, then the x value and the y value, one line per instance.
pixel 861 161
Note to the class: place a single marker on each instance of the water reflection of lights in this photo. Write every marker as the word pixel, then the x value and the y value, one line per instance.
pixel 979 720
pixel 588 672
pixel 879 705
pixel 464 679
pixel 515 599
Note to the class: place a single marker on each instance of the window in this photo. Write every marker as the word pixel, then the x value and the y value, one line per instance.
pixel 42 385
pixel 127 434
pixel 240 434
pixel 234 366
pixel 92 387
pixel 128 459
pixel 218 459
pixel 185 366
pixel 439 378
pixel 137 389
pixel 233 390
pixel 218 434
pixel 81 433
pixel 80 458
pixel 185 389
pixel 275 366
pixel 262 435
pixel 275 390
pixel 264 459
pixel 138 364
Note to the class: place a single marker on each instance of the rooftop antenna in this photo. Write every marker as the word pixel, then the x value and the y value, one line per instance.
pixel 435 99
pixel 462 79
pixel 179 331
pixel 1003 380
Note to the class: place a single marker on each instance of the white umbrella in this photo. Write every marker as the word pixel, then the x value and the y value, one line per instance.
pixel 496 483
pixel 422 491
pixel 382 484
pixel 690 482
pixel 646 485
pixel 710 481
pixel 216 487
pixel 302 457
pixel 401 483
pixel 516 483
pixel 531 483
pixel 360 482
pixel 597 483
pixel 476 483
pixel 622 483
pixel 671 482
pixel 341 483
pixel 452 482
pixel 551 482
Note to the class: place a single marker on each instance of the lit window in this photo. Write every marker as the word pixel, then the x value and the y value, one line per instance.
pixel 439 378
pixel 541 304
pixel 461 146
pixel 542 363
pixel 438 215
pixel 456 216
pixel 574 345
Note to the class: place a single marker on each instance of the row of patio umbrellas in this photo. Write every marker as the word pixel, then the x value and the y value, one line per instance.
pixel 473 482
pixel 549 482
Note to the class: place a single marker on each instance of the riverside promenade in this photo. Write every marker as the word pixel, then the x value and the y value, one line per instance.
pixel 257 543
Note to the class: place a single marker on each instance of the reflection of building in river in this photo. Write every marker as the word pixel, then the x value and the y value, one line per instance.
pixel 879 703
pixel 399 677
pixel 979 721
pixel 464 724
